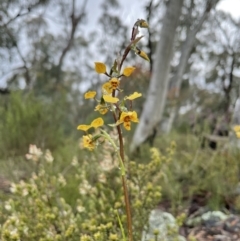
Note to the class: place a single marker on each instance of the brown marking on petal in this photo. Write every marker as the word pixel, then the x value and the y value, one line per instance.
pixel 127 119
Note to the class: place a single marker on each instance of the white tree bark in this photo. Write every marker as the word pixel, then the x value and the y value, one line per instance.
pixel 185 54
pixel 236 113
pixel 155 102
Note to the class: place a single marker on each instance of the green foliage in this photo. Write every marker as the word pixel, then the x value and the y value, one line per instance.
pixel 35 212
pixel 37 208
pixel 26 119
pixel 194 170
pixel 79 197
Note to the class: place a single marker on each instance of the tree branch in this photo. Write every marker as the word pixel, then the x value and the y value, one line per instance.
pixel 27 75
pixel 187 48
pixel 150 46
pixel 75 20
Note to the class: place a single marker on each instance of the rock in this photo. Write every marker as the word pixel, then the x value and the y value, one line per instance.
pixel 163 225
pixel 226 229
pixel 207 219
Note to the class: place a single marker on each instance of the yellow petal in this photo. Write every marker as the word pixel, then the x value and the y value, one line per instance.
pixel 143 24
pixel 127 125
pixel 100 68
pixel 90 94
pixel 142 54
pixel 114 83
pixel 134 117
pixel 128 71
pixel 101 108
pixel 126 118
pixel 110 99
pixel 134 96
pixel 238 134
pixel 88 143
pixel 97 122
pixel 123 116
pixel 103 111
pixel 84 127
pixel 236 128
pixel 107 88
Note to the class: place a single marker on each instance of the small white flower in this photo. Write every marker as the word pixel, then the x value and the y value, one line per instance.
pixel 25 192
pixel 14 232
pixel 7 206
pixel 74 161
pixel 34 153
pixel 85 188
pixel 61 180
pixel 48 157
pixel 13 188
pixel 80 209
pixel 82 191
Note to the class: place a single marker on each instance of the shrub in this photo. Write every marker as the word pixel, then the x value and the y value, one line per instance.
pixel 37 210
pixel 26 119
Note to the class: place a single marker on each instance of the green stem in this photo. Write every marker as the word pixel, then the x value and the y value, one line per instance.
pixel 121 227
pixel 121 150
pixel 120 153
pixel 122 167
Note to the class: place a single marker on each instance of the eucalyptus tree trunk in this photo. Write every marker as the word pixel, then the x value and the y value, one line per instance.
pixel 155 102
pixel 236 113
pixel 186 50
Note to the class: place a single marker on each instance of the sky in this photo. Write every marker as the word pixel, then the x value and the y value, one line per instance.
pixel 230 6
pixel 132 10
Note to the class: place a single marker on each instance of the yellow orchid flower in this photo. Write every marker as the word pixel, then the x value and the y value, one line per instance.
pixel 100 68
pixel 84 127
pixel 97 122
pixel 133 96
pixel 103 109
pixel 128 71
pixel 107 88
pixel 90 94
pixel 126 118
pixel 88 142
pixel 110 99
pixel 114 83
pixel 236 128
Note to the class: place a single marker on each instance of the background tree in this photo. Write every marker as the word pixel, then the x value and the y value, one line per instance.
pixel 39 47
pixel 194 14
pixel 156 97
pixel 217 52
pixel 222 57
pixel 33 49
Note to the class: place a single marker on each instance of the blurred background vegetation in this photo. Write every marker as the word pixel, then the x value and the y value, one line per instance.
pixel 47 53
